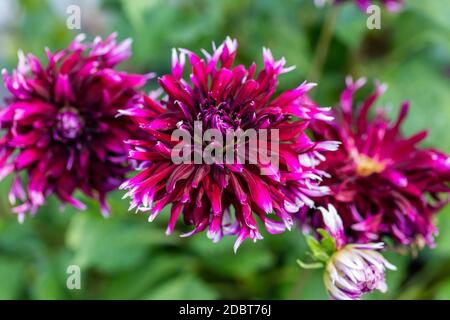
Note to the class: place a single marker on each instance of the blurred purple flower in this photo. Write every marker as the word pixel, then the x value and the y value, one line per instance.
pixel 382 183
pixel 60 126
pixel 391 5
pixel 226 198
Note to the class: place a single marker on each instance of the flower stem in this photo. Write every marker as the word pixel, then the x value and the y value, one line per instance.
pixel 323 45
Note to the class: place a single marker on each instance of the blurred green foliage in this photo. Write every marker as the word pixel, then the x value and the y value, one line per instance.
pixel 124 257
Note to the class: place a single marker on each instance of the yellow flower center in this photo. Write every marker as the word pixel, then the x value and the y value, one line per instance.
pixel 366 166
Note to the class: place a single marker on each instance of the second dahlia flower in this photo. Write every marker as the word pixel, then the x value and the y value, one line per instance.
pixel 382 183
pixel 61 133
pixel 226 198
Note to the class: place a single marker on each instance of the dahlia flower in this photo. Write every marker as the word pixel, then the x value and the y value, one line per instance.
pixel 354 269
pixel 226 198
pixel 382 183
pixel 391 5
pixel 351 270
pixel 60 128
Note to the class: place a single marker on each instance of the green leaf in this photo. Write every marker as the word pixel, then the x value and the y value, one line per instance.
pixel 312 286
pixel 158 270
pixel 435 11
pixel 112 244
pixel 220 258
pixel 443 290
pixel 47 286
pixel 12 279
pixel 443 239
pixel 184 287
pixel 50 277
pixel 351 26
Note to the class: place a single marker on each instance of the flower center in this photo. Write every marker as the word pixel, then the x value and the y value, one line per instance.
pixel 69 124
pixel 366 166
pixel 218 117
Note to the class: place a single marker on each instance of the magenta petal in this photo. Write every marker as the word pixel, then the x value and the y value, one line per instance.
pixel 258 192
pixel 27 157
pixel 182 172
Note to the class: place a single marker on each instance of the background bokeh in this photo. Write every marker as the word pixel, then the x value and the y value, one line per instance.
pixel 125 257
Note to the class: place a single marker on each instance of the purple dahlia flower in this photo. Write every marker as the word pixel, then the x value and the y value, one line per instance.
pixel 391 5
pixel 353 269
pixel 60 127
pixel 382 183
pixel 226 198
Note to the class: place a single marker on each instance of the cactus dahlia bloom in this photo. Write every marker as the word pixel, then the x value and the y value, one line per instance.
pixel 60 126
pixel 353 269
pixel 226 198
pixel 382 183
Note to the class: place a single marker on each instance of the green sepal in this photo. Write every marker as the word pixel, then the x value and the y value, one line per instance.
pixel 317 252
pixel 320 251
pixel 313 265
pixel 328 243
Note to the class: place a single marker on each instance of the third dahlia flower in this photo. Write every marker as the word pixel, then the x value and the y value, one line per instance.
pixel 61 133
pixel 353 269
pixel 226 198
pixel 382 183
